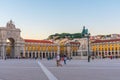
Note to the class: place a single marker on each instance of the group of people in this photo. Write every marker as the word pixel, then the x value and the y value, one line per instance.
pixel 58 60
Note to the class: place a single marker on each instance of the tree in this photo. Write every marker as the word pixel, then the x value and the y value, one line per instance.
pixel 65 35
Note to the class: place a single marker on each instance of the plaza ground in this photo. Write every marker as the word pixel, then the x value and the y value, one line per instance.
pixel 30 69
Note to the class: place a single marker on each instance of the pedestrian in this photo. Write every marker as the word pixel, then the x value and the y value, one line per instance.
pixel 65 59
pixel 111 57
pixel 35 58
pixel 58 61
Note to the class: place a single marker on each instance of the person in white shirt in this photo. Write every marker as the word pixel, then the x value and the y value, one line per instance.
pixel 58 60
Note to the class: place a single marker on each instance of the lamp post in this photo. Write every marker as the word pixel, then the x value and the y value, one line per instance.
pixel 87 35
pixel 88 46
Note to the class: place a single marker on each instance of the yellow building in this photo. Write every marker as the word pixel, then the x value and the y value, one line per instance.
pixel 69 48
pixel 106 48
pixel 45 49
pixel 39 49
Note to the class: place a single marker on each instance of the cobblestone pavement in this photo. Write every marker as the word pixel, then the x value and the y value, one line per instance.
pixel 30 69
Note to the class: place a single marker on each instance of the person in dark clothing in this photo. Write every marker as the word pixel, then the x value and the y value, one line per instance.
pixel 65 59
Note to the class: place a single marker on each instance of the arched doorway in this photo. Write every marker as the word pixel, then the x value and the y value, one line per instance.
pixel 10 48
pixel 12 44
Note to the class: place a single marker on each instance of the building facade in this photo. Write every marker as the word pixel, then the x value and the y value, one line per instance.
pixel 16 43
pixel 12 45
pixel 69 48
pixel 40 49
pixel 106 48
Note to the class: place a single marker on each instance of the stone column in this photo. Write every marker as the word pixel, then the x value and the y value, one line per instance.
pixel 114 52
pixel 104 53
pixel 38 54
pixel 17 50
pixel 3 51
pixel 24 54
pixel 58 50
pixel 98 54
pixel 31 54
pixel 23 50
pixel 68 50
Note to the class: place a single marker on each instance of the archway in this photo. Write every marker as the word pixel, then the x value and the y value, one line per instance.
pixel 12 45
pixel 10 48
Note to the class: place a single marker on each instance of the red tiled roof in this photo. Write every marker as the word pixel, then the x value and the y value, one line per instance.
pixel 37 41
pixel 110 40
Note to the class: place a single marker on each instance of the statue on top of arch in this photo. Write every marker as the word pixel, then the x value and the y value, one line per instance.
pixel 10 25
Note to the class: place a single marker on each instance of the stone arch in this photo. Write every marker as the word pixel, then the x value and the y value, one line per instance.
pixel 10 47
pixel 11 33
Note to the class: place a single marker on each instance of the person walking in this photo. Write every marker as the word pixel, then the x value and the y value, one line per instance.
pixel 58 61
pixel 65 59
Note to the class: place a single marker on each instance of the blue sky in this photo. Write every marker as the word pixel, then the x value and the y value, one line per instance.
pixel 37 19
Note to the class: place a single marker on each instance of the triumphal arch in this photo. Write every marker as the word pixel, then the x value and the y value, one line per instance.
pixel 11 43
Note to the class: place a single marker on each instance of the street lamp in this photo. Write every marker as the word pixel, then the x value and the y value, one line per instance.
pixel 87 35
pixel 88 49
